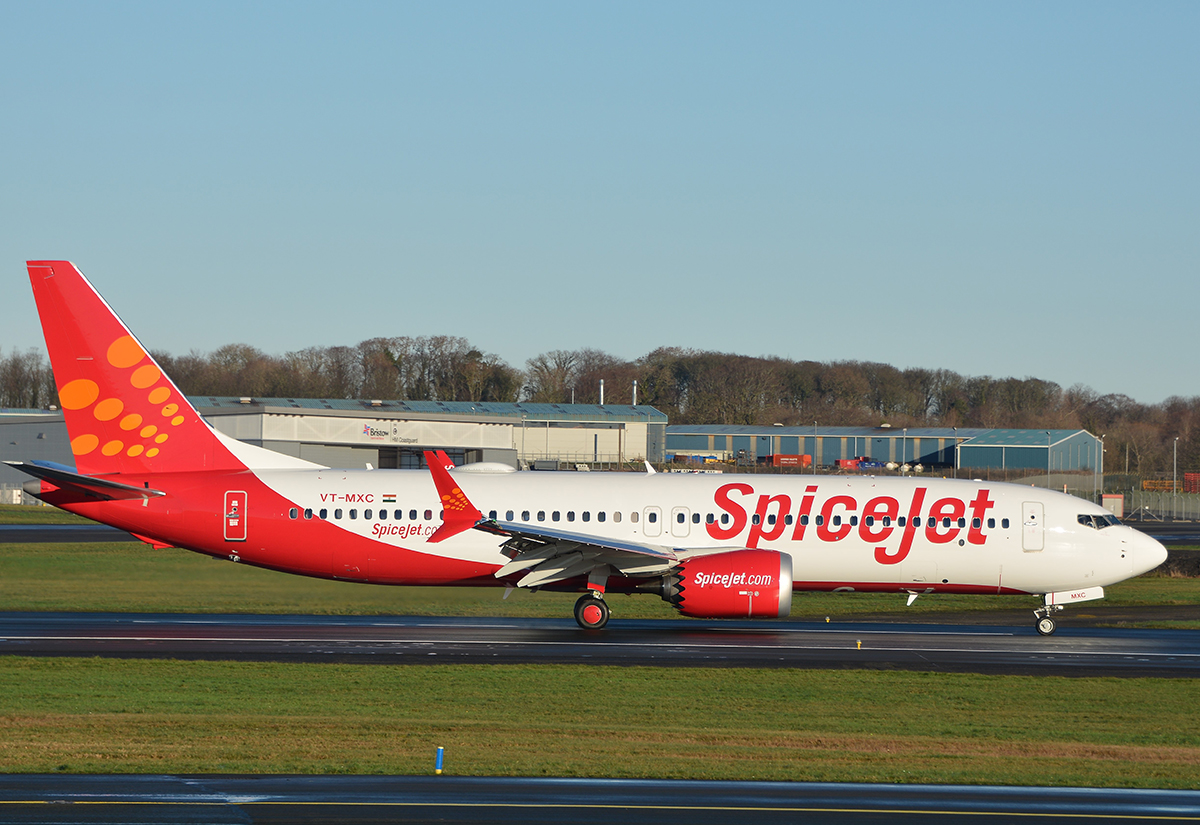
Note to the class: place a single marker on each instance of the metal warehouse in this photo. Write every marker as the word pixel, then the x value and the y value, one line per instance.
pixel 1053 450
pixel 393 434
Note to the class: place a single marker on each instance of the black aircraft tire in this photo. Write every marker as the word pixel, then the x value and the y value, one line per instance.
pixel 591 613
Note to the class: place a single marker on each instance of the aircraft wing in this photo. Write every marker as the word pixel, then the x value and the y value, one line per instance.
pixel 547 555
pixel 544 554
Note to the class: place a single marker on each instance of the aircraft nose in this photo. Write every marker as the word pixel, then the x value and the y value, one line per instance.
pixel 1148 553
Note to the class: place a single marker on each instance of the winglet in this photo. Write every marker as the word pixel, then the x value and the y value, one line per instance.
pixel 458 513
pixel 649 470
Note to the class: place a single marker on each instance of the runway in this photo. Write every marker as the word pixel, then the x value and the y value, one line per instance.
pixel 369 799
pixel 400 640
pixel 55 533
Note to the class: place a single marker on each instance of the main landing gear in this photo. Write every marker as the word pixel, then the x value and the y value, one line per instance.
pixel 1046 625
pixel 591 611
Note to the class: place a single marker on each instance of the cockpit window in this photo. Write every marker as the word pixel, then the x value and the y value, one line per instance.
pixel 1098 522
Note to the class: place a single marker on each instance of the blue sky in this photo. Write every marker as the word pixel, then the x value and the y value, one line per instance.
pixel 1006 189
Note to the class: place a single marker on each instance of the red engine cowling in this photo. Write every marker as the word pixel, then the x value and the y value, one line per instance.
pixel 739 584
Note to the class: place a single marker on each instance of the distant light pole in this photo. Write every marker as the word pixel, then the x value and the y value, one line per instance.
pixel 1174 476
pixel 814 457
pixel 903 447
pixel 956 452
pixel 1102 435
pixel 1047 459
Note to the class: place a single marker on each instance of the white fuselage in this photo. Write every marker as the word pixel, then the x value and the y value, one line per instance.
pixel 842 532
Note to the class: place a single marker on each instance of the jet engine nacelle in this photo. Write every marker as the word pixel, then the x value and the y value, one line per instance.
pixel 753 584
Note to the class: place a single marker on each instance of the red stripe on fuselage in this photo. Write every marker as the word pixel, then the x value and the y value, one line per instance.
pixel 191 516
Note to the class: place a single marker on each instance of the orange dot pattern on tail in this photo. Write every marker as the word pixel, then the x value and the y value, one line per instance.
pixel 147 400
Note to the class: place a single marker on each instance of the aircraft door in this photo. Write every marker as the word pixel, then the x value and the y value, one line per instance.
pixel 651 522
pixel 1033 529
pixel 235 515
pixel 680 522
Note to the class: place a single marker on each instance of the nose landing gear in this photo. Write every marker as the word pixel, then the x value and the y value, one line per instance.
pixel 1046 625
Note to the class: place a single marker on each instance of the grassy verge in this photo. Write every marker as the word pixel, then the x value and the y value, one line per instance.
pixel 130 577
pixel 20 514
pixel 169 716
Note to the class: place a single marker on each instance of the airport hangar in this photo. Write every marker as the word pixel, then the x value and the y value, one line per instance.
pixel 387 434
pixel 384 434
pixel 997 449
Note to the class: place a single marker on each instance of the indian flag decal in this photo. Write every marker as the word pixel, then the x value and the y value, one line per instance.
pixel 389 498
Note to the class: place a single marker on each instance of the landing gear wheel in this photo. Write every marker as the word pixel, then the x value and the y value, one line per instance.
pixel 591 613
pixel 1045 626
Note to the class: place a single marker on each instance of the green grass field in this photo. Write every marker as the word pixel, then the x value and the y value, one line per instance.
pixel 104 715
pixel 19 514
pixel 94 715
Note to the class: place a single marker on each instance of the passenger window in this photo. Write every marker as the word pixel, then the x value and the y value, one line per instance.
pixel 353 513
pixel 854 521
pixel 1004 523
pixel 787 519
pixel 916 521
pixel 586 515
pixel 492 515
pixel 633 516
pixel 616 516
pixel 508 515
pixel 820 520
pixel 946 522
pixel 554 516
pixel 710 518
pixel 901 521
pixel 724 518
pixel 366 513
pixel 695 518
pixel 837 521
pixel 869 521
pixel 428 515
pixel 541 515
pixel 756 519
pixel 976 523
pixel 570 515
pixel 524 515
pixel 293 513
pixel 652 517
pixel 324 513
pixel 804 520
pixel 991 524
pixel 680 518
pixel 337 513
pixel 771 519
pixel 887 521
pixel 308 513
pixel 383 515
pixel 412 515
pixel 962 522
pixel 601 516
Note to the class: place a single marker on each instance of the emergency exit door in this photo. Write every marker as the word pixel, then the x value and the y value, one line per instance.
pixel 235 515
pixel 1032 528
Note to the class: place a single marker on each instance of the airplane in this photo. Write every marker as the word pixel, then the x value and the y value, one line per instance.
pixel 714 546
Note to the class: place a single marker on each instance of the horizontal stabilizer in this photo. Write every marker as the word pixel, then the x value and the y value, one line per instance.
pixel 98 488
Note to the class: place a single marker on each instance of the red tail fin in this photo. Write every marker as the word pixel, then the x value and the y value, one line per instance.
pixel 123 414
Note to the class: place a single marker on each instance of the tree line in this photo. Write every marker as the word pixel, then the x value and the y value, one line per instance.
pixel 690 386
